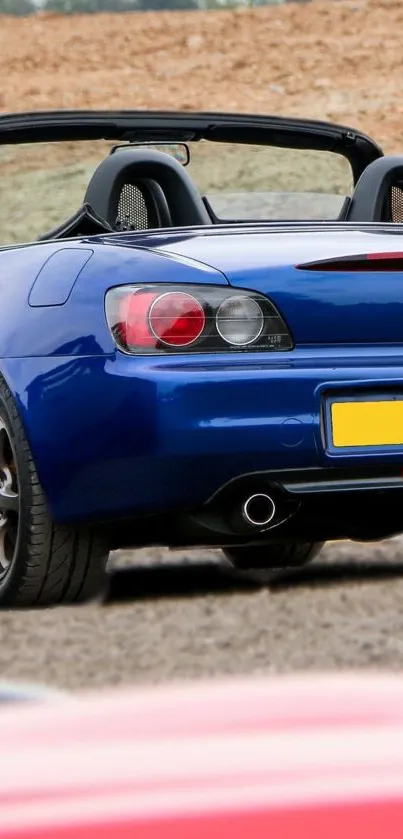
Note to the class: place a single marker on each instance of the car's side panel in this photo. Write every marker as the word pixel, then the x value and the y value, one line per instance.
pixel 77 327
pixel 56 279
pixel 37 330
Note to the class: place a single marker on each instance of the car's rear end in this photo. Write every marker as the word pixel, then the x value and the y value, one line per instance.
pixel 200 373
pixel 275 382
pixel 197 372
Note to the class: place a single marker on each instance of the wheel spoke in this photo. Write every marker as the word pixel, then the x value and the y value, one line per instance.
pixel 3 440
pixel 4 561
pixel 8 496
pixel 9 502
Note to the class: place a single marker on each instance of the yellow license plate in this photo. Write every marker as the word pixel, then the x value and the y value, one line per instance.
pixel 376 423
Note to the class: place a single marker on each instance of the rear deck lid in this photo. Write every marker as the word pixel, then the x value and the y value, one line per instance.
pixel 348 301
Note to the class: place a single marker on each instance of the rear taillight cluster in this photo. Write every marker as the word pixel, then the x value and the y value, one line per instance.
pixel 161 319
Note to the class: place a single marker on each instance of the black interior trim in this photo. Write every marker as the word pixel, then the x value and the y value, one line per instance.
pixel 85 222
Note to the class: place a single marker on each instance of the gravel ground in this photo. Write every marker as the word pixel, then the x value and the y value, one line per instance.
pixel 178 616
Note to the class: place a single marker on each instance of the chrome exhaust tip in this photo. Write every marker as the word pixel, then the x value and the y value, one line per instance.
pixel 258 510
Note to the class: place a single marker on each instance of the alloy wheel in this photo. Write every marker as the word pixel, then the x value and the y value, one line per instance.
pixel 9 502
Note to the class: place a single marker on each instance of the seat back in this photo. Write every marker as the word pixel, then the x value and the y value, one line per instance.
pixel 132 208
pixel 140 205
pixel 144 188
pixel 378 195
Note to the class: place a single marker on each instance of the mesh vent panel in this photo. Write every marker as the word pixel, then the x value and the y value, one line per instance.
pixel 396 204
pixel 132 209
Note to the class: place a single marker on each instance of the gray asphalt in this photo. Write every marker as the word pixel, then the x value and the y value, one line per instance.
pixel 179 616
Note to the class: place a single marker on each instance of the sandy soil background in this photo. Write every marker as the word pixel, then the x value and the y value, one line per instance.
pixel 335 59
pixel 175 616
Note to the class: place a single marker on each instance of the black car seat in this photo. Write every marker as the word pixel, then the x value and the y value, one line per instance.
pixel 135 189
pixel 143 188
pixel 141 205
pixel 378 195
pixel 395 204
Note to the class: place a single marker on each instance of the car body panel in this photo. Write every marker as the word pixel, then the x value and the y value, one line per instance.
pixel 126 436
pixel 286 757
pixel 65 264
pixel 115 435
pixel 280 243
pixel 319 307
pixel 77 326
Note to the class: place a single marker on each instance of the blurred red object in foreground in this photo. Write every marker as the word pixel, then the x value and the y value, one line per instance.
pixel 285 758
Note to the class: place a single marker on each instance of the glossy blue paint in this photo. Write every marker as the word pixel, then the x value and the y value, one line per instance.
pixel 79 326
pixel 320 307
pixel 117 435
pixel 56 278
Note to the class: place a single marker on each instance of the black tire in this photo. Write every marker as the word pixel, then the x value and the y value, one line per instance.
pixel 41 563
pixel 273 556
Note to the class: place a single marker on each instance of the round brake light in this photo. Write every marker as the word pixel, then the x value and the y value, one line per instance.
pixel 176 319
pixel 239 320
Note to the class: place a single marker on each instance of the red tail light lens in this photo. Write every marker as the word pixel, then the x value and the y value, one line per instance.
pixel 146 318
pixel 162 319
pixel 132 320
pixel 177 319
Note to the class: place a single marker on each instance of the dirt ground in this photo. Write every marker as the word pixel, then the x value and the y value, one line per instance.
pixel 185 616
pixel 334 59
pixel 339 60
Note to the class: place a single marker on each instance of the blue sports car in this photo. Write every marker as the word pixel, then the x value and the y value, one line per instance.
pixel 201 342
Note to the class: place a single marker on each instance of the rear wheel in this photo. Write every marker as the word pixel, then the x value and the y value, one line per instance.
pixel 41 564
pixel 259 561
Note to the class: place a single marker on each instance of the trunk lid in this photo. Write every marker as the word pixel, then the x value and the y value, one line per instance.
pixel 320 305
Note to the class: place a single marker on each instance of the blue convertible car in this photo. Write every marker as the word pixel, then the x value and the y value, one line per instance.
pixel 201 342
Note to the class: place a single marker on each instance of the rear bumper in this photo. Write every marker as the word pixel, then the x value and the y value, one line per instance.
pixel 118 436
